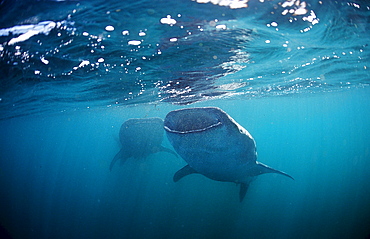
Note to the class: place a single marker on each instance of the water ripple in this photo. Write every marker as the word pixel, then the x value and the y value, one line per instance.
pixel 99 54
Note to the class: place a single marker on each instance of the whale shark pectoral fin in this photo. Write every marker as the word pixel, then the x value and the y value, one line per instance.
pixel 183 172
pixel 164 149
pixel 261 169
pixel 243 190
pixel 119 155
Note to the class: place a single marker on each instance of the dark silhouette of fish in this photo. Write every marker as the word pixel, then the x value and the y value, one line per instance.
pixel 214 145
pixel 140 138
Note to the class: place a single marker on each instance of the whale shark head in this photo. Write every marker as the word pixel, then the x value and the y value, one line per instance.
pixel 209 131
pixel 191 121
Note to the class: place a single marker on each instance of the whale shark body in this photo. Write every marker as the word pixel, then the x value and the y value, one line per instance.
pixel 140 138
pixel 214 145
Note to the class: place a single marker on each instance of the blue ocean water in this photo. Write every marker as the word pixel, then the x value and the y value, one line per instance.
pixel 294 73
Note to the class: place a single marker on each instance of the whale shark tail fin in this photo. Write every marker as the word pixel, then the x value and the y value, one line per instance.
pixel 262 168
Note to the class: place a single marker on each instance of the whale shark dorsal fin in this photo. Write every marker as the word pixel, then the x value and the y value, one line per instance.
pixel 183 172
pixel 261 168
pixel 164 149
pixel 243 190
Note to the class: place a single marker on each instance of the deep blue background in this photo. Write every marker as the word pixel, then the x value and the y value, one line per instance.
pixel 56 183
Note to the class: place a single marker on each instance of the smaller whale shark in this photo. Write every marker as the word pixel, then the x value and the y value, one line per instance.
pixel 140 138
pixel 214 145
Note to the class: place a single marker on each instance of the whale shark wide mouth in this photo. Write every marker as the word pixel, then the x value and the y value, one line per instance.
pixel 190 121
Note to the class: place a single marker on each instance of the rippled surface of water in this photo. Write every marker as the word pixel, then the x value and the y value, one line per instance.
pixel 63 55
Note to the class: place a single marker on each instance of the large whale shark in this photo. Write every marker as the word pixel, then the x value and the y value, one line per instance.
pixel 214 145
pixel 140 138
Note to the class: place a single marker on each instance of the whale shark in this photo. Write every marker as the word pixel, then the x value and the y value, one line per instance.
pixel 140 138
pixel 215 145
